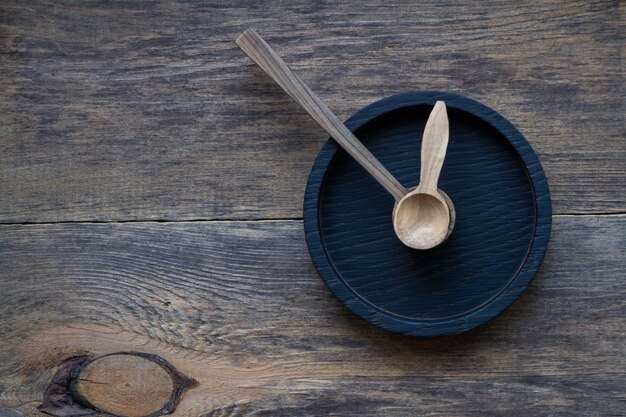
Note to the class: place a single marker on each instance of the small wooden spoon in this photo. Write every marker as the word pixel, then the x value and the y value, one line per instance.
pixel 265 57
pixel 421 219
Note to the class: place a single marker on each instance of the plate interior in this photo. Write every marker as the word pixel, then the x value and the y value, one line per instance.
pixel 493 195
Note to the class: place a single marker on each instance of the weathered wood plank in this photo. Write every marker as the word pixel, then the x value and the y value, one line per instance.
pixel 238 307
pixel 148 110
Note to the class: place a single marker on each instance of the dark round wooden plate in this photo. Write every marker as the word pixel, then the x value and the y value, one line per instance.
pixel 502 228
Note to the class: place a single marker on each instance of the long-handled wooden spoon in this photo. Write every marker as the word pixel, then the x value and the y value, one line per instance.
pixel 265 57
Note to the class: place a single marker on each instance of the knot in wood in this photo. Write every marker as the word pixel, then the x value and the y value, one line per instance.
pixel 125 385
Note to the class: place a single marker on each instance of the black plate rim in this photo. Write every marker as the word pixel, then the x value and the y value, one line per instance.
pixel 456 324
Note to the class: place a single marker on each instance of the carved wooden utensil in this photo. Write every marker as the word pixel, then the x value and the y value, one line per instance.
pixel 421 218
pixel 265 57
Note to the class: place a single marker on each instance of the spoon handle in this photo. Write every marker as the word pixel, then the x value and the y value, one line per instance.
pixel 434 145
pixel 265 57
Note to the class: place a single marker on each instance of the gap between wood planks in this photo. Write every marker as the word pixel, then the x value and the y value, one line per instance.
pixel 235 220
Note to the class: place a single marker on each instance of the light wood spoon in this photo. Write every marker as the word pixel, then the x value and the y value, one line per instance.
pixel 265 57
pixel 421 219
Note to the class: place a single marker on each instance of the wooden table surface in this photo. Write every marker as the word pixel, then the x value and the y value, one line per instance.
pixel 151 187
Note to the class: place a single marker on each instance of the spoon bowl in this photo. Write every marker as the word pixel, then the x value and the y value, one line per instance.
pixel 421 220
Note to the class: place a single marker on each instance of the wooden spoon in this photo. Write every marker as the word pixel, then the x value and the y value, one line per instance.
pixel 265 57
pixel 421 219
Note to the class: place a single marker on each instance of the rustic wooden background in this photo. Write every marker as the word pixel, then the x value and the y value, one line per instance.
pixel 151 185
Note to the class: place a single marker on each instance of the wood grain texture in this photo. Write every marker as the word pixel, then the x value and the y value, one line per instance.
pixel 148 110
pixel 238 307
